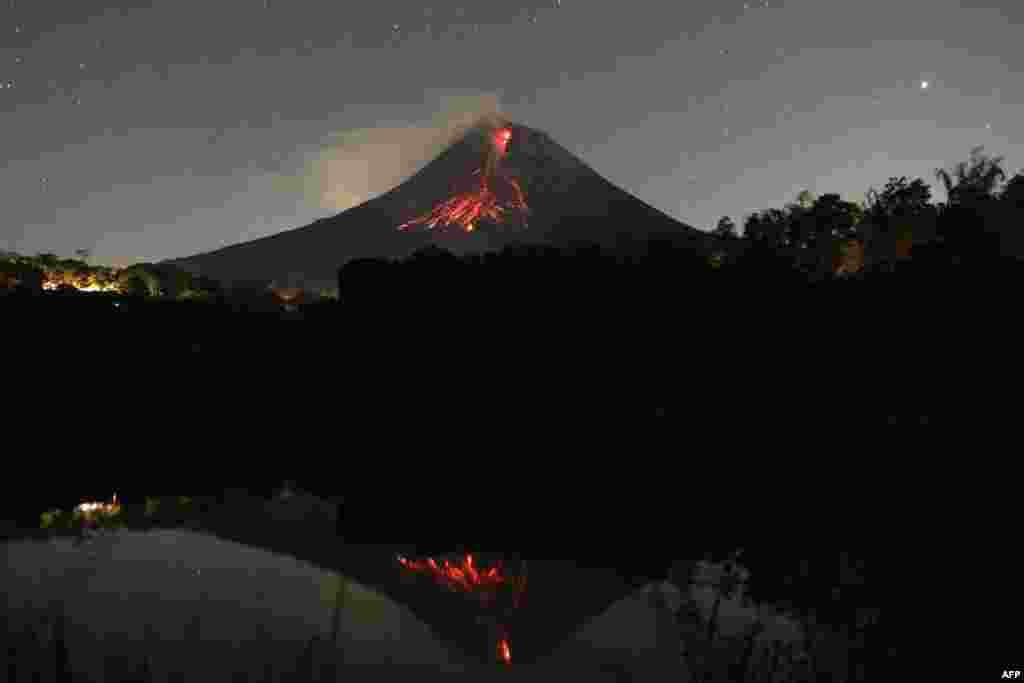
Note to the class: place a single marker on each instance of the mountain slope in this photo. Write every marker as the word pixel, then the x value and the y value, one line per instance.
pixel 568 202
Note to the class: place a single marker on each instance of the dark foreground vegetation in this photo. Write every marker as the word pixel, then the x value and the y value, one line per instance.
pixel 895 310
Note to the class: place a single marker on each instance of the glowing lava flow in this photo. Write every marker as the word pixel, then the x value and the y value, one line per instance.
pixel 484 584
pixel 467 208
pixel 504 651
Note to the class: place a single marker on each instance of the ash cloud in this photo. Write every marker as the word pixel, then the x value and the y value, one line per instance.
pixel 356 165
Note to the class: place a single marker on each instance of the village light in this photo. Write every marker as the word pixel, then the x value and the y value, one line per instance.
pixel 92 512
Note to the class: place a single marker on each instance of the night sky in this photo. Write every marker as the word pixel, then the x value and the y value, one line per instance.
pixel 152 132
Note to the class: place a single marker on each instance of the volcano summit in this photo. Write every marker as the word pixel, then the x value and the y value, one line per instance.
pixel 500 183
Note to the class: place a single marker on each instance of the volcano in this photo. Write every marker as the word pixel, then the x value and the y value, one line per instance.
pixel 498 184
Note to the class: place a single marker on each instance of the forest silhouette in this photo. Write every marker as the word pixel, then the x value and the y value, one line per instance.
pixel 820 297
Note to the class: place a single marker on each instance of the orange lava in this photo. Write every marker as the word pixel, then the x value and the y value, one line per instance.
pixel 465 209
pixel 504 651
pixel 483 583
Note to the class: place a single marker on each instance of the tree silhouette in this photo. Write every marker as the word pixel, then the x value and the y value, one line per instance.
pixel 896 215
pixel 1010 208
pixel 47 260
pixel 805 199
pixel 900 197
pixel 133 285
pixel 834 218
pixel 139 280
pixel 767 228
pixel 974 180
pixel 970 223
pixel 725 229
pixel 813 234
pixel 1013 192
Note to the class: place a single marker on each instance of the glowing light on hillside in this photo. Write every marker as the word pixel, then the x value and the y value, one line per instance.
pixel 94 509
pixel 465 575
pixel 501 139
pixel 504 651
pixel 484 584
pixel 53 281
pixel 466 209
pixel 50 286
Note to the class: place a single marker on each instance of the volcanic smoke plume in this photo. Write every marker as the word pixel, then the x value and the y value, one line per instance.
pixel 496 168
pixel 495 195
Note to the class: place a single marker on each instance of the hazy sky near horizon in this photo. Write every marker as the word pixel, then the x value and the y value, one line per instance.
pixel 146 131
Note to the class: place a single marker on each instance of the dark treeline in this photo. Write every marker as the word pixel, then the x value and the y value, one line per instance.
pixel 822 298
pixel 897 237
pixel 822 308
